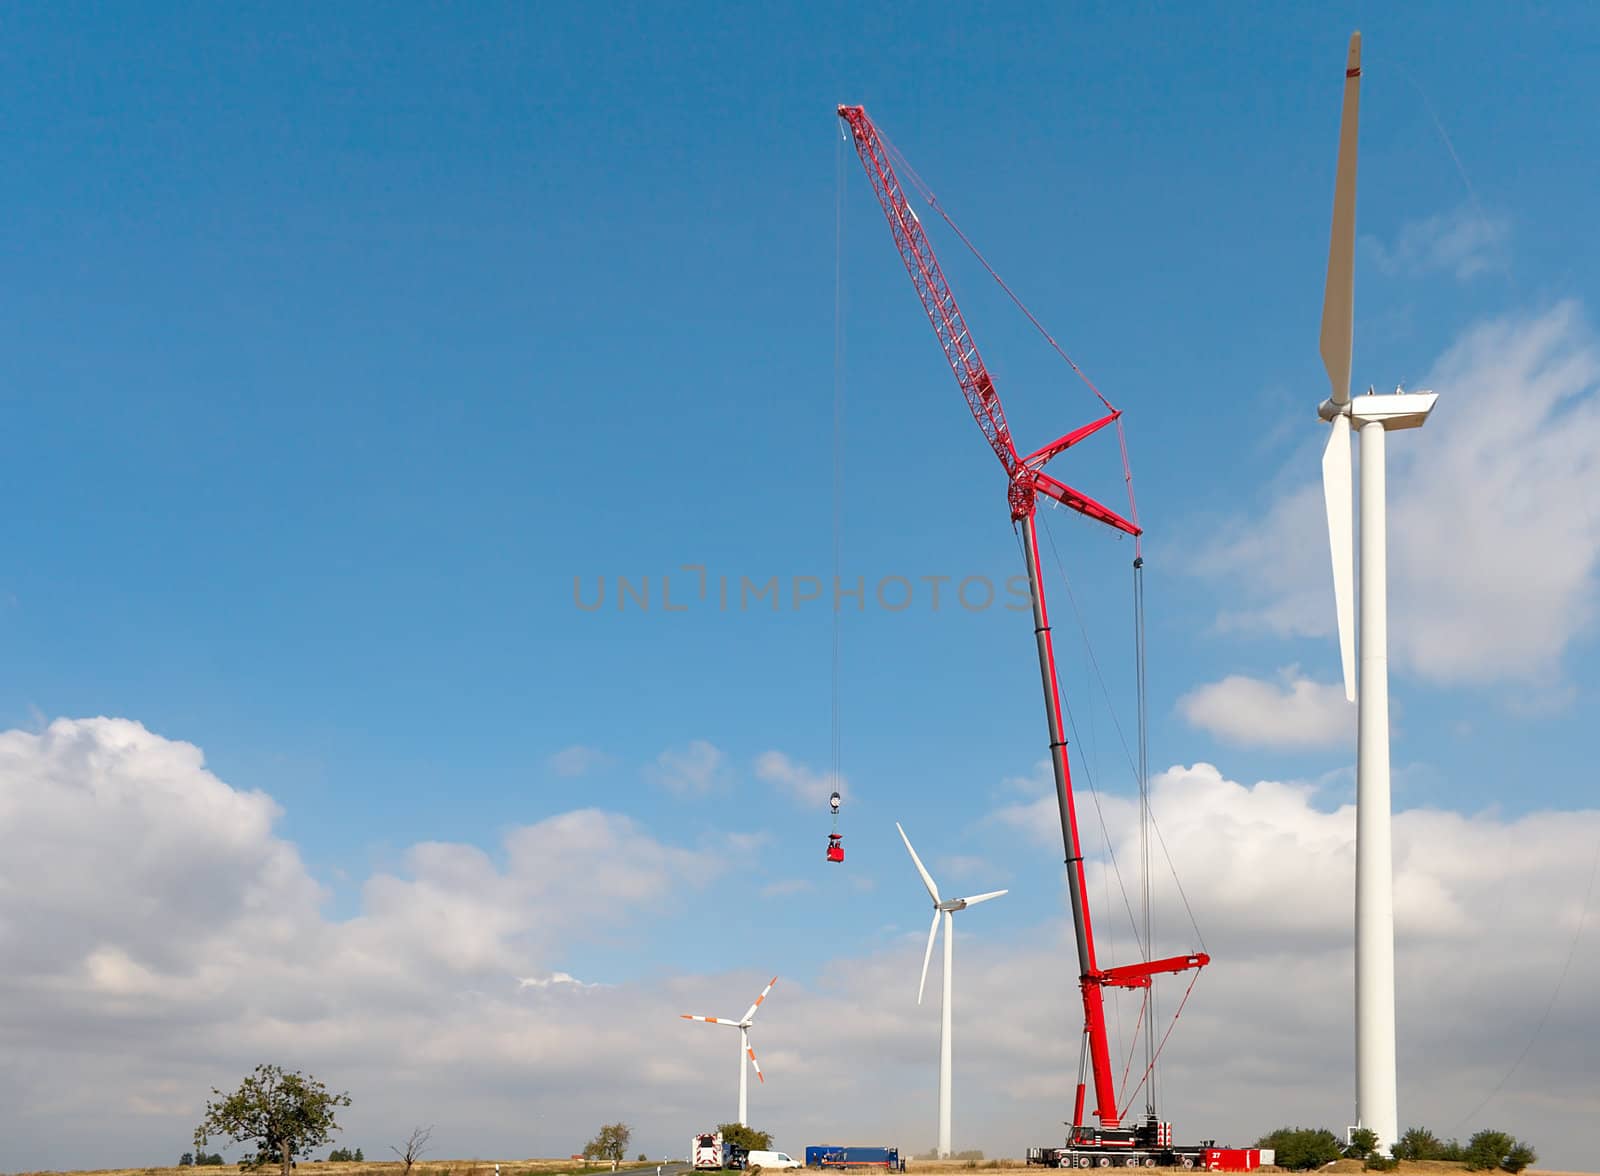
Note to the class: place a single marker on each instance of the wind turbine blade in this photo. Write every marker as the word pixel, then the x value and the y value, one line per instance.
pixel 927 956
pixel 751 1011
pixel 927 879
pixel 1341 540
pixel 1338 296
pixel 977 898
pixel 751 1051
pixel 711 1020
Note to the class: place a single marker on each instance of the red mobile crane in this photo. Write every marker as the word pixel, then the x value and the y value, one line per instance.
pixel 1149 1143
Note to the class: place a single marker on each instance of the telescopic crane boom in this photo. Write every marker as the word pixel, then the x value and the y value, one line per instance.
pixel 1026 480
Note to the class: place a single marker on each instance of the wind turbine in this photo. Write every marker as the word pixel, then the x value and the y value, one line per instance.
pixel 1372 416
pixel 943 910
pixel 743 1026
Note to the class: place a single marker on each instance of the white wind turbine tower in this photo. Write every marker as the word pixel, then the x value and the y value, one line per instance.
pixel 1373 416
pixel 943 910
pixel 743 1026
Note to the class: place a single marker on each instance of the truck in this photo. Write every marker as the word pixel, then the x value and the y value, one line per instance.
pixel 709 1152
pixel 854 1156
pixel 1147 1145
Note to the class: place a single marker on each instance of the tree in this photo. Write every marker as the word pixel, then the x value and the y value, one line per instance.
pixel 746 1137
pixel 1302 1148
pixel 610 1144
pixel 1495 1149
pixel 1363 1142
pixel 1418 1143
pixel 186 1160
pixel 283 1114
pixel 415 1146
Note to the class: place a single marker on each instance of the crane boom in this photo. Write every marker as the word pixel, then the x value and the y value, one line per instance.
pixel 1027 480
pixel 932 288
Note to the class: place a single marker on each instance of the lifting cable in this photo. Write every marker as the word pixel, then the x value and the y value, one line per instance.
pixel 1155 825
pixel 926 192
pixel 1149 1070
pixel 1147 1010
pixel 1572 950
pixel 835 743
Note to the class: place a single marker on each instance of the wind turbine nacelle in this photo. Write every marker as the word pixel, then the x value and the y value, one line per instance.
pixel 1396 410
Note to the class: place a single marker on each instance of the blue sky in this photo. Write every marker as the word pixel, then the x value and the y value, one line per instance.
pixel 339 343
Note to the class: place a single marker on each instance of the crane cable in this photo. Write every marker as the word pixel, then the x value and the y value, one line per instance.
pixel 835 741
pixel 927 194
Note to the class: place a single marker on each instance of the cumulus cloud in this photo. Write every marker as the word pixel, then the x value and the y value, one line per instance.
pixel 547 981
pixel 692 770
pixel 1494 536
pixel 159 937
pixel 138 978
pixel 1463 243
pixel 1295 712
pixel 1480 903
pixel 797 780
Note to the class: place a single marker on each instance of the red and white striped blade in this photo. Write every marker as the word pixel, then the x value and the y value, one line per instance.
pixel 751 1011
pixel 709 1020
pixel 756 1064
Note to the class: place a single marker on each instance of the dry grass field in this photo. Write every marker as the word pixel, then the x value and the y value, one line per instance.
pixel 425 1167
pixel 567 1167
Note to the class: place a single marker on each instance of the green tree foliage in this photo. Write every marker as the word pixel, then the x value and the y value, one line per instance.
pixel 186 1160
pixel 1490 1149
pixel 641 1157
pixel 1418 1143
pixel 746 1137
pixel 1363 1142
pixel 611 1143
pixel 1303 1148
pixel 283 1114
pixel 343 1155
pixel 214 1160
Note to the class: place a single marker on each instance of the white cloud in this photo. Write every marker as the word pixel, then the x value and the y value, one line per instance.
pixel 1494 532
pixel 553 978
pixel 692 770
pixel 187 942
pixel 797 780
pixel 1249 712
pixel 577 760
pixel 1482 904
pixel 1463 243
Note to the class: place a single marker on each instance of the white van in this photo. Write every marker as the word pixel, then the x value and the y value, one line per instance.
pixel 771 1159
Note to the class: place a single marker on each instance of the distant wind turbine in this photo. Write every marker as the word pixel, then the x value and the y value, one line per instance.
pixel 943 911
pixel 1373 416
pixel 743 1026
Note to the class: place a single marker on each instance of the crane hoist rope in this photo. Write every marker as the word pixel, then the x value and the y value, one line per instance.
pixel 1027 481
